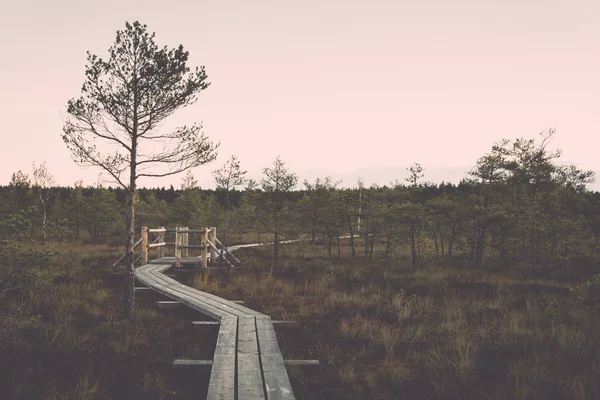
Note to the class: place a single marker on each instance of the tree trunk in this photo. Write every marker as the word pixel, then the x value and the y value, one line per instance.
pixel 129 287
pixel 129 284
pixel 351 235
pixel 388 243
pixel 339 250
pixel 437 249
pixel 442 243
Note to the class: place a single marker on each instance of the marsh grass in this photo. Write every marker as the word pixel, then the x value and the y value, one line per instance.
pixel 67 339
pixel 439 332
pixel 380 332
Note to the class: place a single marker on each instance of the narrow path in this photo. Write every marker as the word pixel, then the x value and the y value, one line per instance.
pixel 247 362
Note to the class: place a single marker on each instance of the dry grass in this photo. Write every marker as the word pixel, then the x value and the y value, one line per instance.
pixel 439 332
pixel 380 332
pixel 68 339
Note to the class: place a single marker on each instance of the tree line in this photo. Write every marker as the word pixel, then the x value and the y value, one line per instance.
pixel 517 207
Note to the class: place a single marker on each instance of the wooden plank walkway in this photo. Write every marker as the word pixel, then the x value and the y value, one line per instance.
pixel 247 362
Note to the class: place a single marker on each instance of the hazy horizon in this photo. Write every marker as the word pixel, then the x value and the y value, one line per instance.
pixel 344 89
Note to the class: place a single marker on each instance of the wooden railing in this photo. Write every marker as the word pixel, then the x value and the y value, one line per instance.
pixel 123 256
pixel 208 244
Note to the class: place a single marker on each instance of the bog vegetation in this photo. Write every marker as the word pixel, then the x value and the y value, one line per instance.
pixel 486 289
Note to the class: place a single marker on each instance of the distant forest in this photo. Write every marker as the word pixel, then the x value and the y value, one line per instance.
pixel 517 207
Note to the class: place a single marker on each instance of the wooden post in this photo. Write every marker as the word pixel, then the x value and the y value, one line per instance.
pixel 212 236
pixel 184 252
pixel 177 248
pixel 161 249
pixel 204 250
pixel 144 245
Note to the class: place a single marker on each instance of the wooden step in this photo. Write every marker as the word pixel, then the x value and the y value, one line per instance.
pixel 208 363
pixel 170 304
pixel 276 324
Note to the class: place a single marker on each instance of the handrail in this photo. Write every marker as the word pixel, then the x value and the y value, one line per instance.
pixel 216 250
pixel 123 256
pixel 227 251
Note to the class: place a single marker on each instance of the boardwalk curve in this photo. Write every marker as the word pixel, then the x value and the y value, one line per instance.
pixel 247 362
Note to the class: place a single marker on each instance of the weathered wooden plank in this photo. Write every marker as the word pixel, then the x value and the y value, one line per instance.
pixel 265 329
pixel 203 307
pixel 169 290
pixel 204 323
pixel 168 304
pixel 191 246
pixel 194 363
pixel 221 385
pixel 250 382
pixel 209 363
pixel 286 324
pixel 276 323
pixel 203 295
pixel 214 251
pixel 303 363
pixel 153 277
pixel 226 339
pixel 222 376
pixel 276 380
pixel 181 292
pixel 190 293
pixel 186 230
pixel 249 377
pixel 247 342
pixel 227 251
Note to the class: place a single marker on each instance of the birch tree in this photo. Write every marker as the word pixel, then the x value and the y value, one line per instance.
pixel 42 181
pixel 123 101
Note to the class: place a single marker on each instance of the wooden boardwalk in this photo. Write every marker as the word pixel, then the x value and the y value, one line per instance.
pixel 247 362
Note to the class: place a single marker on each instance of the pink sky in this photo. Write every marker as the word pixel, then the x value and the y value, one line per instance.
pixel 341 88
